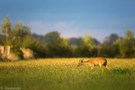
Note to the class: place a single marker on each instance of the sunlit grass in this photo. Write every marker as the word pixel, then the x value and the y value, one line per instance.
pixel 63 74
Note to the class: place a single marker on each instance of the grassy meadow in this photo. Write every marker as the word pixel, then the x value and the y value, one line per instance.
pixel 63 74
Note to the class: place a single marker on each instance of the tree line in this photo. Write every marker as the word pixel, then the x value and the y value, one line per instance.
pixel 53 45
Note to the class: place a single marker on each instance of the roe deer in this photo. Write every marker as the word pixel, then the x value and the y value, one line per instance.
pixel 92 62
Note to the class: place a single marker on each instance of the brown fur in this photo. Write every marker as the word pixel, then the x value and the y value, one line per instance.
pixel 92 62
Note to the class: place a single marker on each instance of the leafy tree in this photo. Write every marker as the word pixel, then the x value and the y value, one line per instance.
pixel 85 46
pixel 6 26
pixel 57 46
pixel 73 41
pixel 88 42
pixel 6 29
pixel 111 39
pixel 2 39
pixel 19 34
pixel 52 39
pixel 127 45
pixel 108 47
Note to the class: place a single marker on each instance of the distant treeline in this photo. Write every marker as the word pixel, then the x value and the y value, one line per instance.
pixel 53 45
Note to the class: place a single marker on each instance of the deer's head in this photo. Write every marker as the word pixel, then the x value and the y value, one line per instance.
pixel 80 62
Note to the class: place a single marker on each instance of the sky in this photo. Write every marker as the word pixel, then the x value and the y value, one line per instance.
pixel 72 18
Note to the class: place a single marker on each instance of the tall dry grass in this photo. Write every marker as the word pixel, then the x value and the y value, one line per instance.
pixel 63 74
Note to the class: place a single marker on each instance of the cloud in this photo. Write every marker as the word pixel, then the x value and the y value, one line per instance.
pixel 66 29
pixel 71 29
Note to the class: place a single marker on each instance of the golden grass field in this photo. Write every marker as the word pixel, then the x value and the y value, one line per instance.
pixel 63 74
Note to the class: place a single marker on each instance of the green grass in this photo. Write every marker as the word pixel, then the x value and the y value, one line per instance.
pixel 63 74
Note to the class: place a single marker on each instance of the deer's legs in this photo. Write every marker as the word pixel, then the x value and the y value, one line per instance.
pixel 107 67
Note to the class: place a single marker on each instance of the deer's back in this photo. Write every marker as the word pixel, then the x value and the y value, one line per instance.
pixel 97 61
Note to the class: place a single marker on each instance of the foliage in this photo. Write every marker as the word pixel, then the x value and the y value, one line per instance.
pixel 53 45
pixel 6 26
pixel 58 47
pixel 85 46
pixel 108 47
pixel 127 45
